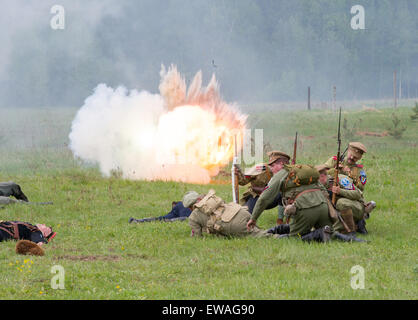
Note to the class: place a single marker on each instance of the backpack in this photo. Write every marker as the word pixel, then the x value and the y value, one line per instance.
pixel 217 210
pixel 12 228
pixel 300 174
pixel 210 203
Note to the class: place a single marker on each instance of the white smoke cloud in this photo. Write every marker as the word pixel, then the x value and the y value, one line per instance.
pixel 176 135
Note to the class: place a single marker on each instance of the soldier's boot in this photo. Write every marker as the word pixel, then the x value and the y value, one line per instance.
pixel 347 215
pixel 369 208
pixel 280 229
pixel 318 235
pixel 361 227
pixel 346 237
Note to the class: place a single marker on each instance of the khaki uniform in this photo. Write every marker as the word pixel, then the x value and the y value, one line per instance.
pixel 257 176
pixel 311 204
pixel 212 215
pixel 354 171
pixel 349 197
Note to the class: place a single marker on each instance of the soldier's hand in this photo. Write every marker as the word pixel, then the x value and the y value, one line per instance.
pixel 346 170
pixel 251 224
pixel 289 210
pixel 335 189
pixel 237 169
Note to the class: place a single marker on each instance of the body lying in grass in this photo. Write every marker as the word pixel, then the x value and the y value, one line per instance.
pixel 30 237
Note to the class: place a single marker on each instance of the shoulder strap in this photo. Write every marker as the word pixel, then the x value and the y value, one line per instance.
pixel 13 231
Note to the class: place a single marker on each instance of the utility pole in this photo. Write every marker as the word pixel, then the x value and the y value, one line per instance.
pixel 400 85
pixel 309 98
pixel 394 89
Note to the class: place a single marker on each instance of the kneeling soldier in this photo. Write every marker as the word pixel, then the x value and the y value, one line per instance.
pixel 306 204
pixel 356 172
pixel 351 204
pixel 304 199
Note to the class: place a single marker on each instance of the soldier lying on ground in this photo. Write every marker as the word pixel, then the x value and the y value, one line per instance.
pixel 177 213
pixel 8 189
pixel 212 215
pixel 18 230
pixel 7 200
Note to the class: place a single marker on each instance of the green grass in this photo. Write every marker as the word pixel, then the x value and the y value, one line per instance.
pixel 106 258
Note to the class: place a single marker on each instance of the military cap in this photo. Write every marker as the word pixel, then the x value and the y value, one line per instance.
pixel 255 170
pixel 190 198
pixel 358 148
pixel 321 167
pixel 275 155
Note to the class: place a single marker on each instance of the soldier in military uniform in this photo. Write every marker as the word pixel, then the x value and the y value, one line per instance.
pixel 258 178
pixel 352 209
pixel 213 216
pixel 349 165
pixel 18 230
pixel 8 189
pixel 178 213
pixel 305 204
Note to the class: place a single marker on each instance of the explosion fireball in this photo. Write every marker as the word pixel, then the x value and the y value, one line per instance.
pixel 182 134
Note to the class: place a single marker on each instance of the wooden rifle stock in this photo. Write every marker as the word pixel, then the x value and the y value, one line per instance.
pixel 295 147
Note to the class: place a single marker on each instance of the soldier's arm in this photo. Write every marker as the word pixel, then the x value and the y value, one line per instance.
pixel 350 194
pixel 195 225
pixel 361 178
pixel 360 185
pixel 269 194
pixel 242 179
pixel 330 162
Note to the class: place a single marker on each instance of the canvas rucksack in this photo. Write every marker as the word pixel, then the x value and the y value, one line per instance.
pixel 300 174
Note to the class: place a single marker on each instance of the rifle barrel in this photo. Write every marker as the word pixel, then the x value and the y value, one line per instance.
pixel 337 165
pixel 295 146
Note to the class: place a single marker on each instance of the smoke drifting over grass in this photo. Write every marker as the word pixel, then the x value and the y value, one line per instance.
pixel 179 134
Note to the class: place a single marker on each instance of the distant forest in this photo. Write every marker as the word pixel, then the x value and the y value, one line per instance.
pixel 261 51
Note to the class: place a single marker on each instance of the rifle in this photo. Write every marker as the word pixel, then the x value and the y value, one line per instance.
pixel 295 146
pixel 343 155
pixel 235 188
pixel 337 169
pixel 337 166
pixel 7 200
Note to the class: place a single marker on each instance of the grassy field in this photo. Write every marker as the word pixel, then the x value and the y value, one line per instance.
pixel 104 257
